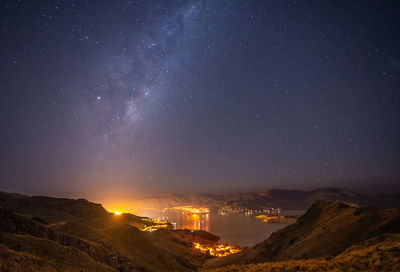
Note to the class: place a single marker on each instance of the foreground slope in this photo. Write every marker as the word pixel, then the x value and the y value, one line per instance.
pixel 380 253
pixel 326 229
pixel 82 236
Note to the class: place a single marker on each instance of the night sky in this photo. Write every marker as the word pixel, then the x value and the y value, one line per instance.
pixel 101 98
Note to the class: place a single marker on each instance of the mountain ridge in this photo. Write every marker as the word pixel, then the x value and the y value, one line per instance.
pixel 275 198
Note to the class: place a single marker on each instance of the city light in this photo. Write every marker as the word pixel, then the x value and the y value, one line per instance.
pixel 216 250
pixel 192 210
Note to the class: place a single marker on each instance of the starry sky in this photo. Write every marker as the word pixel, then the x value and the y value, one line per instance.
pixel 137 97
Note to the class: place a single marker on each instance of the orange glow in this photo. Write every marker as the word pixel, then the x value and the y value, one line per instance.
pixel 113 205
pixel 270 218
pixel 217 250
pixel 117 213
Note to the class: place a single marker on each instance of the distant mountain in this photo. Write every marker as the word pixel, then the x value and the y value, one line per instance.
pixel 275 198
pixel 325 230
pixel 290 199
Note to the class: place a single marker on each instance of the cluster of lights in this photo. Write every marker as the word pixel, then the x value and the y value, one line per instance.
pixel 155 227
pixel 192 210
pixel 216 250
pixel 159 224
pixel 230 210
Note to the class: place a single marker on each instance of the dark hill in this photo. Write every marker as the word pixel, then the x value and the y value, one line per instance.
pixel 326 229
pixel 50 209
pixel 50 234
pixel 381 253
pixel 292 199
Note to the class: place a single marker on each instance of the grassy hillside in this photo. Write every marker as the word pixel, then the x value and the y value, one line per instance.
pixel 380 253
pixel 326 229
pixel 82 236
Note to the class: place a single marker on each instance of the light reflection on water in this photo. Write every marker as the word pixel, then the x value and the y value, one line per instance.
pixel 238 229
pixel 187 221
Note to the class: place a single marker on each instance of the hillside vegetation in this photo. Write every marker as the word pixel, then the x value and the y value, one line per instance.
pixel 381 253
pixel 325 230
pixel 82 236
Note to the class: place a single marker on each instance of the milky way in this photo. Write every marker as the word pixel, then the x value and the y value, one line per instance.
pixel 124 86
pixel 116 98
